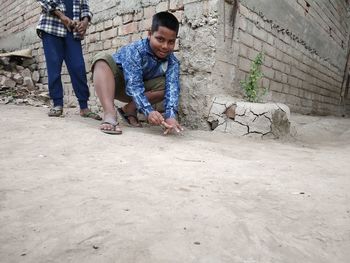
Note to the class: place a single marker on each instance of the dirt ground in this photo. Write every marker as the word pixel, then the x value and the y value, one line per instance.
pixel 69 193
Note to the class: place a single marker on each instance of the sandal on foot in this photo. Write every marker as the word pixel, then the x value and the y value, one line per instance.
pixel 115 126
pixel 126 117
pixel 91 115
pixel 56 111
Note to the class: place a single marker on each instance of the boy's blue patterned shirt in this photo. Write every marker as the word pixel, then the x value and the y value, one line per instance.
pixel 139 63
pixel 52 24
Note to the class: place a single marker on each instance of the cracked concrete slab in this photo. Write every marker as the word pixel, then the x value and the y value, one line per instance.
pixel 253 119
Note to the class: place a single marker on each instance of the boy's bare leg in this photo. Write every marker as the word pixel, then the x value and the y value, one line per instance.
pixel 130 108
pixel 104 83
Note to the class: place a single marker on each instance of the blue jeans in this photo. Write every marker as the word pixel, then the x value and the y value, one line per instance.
pixel 69 50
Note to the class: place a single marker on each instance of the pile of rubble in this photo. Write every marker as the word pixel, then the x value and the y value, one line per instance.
pixel 20 82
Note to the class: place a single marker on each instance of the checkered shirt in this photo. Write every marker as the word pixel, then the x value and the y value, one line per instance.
pixel 50 24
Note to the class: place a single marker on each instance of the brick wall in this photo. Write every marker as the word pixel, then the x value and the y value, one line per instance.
pixel 305 45
pixel 296 71
pixel 16 16
pixel 108 31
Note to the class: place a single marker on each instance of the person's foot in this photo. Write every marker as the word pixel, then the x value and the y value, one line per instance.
pixel 129 116
pixel 56 111
pixel 87 113
pixel 110 125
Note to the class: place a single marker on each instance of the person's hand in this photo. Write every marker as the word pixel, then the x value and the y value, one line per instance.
pixel 155 118
pixel 67 22
pixel 81 27
pixel 171 125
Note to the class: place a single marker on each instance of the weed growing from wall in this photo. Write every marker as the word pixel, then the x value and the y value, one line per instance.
pixel 250 86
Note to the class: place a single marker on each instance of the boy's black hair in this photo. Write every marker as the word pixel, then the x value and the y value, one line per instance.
pixel 165 19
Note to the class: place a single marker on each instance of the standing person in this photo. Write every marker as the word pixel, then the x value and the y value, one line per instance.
pixel 142 73
pixel 62 25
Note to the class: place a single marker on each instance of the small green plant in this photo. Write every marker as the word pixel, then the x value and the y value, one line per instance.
pixel 254 93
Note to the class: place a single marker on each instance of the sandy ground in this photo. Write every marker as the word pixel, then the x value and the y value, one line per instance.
pixel 69 193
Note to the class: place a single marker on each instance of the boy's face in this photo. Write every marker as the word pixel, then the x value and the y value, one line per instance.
pixel 162 41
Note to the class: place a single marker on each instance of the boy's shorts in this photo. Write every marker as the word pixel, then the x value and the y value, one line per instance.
pixel 155 84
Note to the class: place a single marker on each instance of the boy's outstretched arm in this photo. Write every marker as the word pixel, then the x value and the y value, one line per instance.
pixel 172 88
pixel 172 92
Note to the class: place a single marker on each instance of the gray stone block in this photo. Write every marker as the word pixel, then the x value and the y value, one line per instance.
pixel 35 76
pixel 18 78
pixel 9 83
pixel 28 82
pixel 26 73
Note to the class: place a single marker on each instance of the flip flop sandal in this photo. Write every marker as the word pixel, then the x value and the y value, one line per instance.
pixel 56 111
pixel 92 115
pixel 126 116
pixel 115 130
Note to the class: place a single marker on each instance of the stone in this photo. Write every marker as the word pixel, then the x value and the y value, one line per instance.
pixel 240 111
pixel 39 86
pixel 280 126
pixel 28 82
pixel 213 124
pixel 28 62
pixel 2 80
pixel 33 67
pixel 10 67
pixel 44 96
pixel 232 127
pixel 8 99
pixel 231 112
pixel 284 108
pixel 26 73
pixel 4 60
pixel 36 76
pixel 18 78
pixel 19 101
pixel 8 74
pixel 71 104
pixel 257 108
pixel 261 125
pixel 217 109
pixel 246 118
pixel 19 68
pixel 9 83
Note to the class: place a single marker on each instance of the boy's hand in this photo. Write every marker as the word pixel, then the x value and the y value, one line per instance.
pixel 67 22
pixel 81 27
pixel 170 125
pixel 155 118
